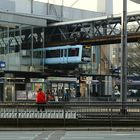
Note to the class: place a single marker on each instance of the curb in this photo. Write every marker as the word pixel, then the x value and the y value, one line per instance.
pixel 74 129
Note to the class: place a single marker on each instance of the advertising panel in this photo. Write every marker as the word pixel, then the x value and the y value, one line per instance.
pixel 21 95
pixel 31 95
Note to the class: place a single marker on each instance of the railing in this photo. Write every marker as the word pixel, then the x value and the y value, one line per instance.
pixel 103 99
pixel 29 111
pixel 74 112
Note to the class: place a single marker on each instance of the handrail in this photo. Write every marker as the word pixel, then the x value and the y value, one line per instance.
pixel 70 112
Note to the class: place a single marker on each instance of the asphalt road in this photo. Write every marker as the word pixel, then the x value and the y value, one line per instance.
pixel 69 135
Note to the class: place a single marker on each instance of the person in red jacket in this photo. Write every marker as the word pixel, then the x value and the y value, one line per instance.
pixel 41 100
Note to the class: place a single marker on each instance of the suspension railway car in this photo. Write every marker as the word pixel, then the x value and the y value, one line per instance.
pixel 69 54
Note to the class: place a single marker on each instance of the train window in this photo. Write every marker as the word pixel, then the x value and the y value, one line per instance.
pixel 73 52
pixel 61 52
pixel 37 54
pixel 52 53
pixel 65 52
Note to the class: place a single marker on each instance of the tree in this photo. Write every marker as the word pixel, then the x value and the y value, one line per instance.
pixel 134 58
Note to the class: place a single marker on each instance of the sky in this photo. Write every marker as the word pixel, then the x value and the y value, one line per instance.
pixel 91 4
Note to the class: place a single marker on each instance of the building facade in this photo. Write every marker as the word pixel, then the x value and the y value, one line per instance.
pixel 20 77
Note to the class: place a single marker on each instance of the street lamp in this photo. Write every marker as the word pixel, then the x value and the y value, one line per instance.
pixel 124 55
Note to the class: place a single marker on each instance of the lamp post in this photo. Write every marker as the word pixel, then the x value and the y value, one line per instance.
pixel 124 56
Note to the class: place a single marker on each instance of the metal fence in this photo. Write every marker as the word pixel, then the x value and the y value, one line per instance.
pixel 70 110
pixel 74 111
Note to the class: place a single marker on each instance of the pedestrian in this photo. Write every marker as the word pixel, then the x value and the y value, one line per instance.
pixel 41 100
pixel 78 94
pixel 66 95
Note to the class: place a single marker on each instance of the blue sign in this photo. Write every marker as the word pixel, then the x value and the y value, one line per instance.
pixel 2 64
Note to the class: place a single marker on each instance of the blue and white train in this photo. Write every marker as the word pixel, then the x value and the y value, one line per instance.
pixel 69 54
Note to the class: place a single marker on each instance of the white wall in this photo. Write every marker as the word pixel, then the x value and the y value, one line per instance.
pixel 105 6
pixel 74 14
pixel 23 6
pixel 39 8
pixel 7 5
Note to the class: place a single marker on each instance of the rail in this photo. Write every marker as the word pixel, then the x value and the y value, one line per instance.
pixel 72 112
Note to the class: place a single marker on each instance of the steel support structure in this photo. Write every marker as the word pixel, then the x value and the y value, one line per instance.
pixel 102 30
pixel 97 31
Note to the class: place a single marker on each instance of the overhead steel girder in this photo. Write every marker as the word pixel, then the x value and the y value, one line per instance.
pixel 91 28
pixel 24 19
pixel 22 38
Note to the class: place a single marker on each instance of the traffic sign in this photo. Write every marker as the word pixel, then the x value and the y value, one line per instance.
pixel 2 64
